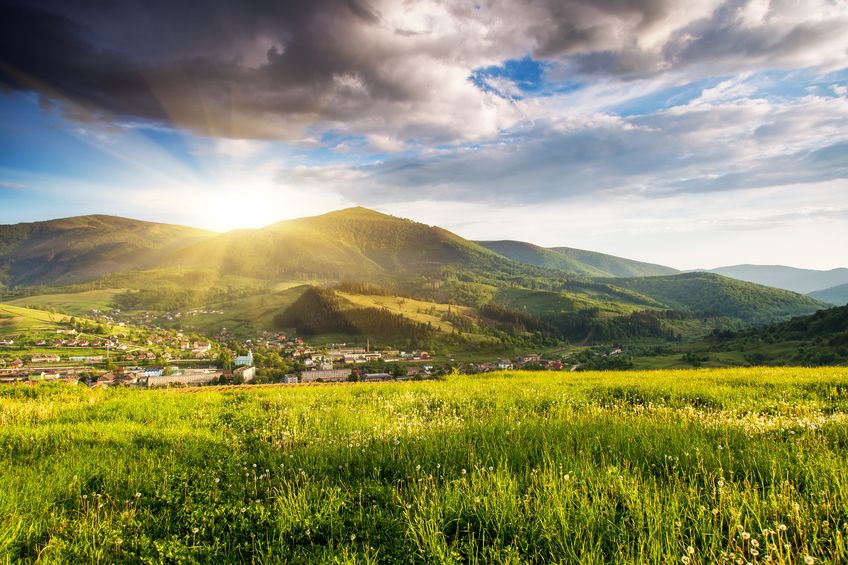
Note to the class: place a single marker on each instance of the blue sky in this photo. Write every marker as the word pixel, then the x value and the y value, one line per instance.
pixel 694 137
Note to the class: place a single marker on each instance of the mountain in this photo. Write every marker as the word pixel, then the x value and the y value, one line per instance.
pixel 803 281
pixel 351 243
pixel 85 247
pixel 575 261
pixel 503 284
pixel 615 266
pixel 721 296
pixel 834 295
pixel 530 254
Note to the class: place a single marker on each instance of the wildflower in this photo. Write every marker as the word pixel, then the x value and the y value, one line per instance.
pixel 352 537
pixel 808 560
pixel 243 509
pixel 684 560
pixel 782 527
pixel 690 550
pixel 754 552
pixel 746 535
pixel 138 495
pixel 194 530
pixel 217 480
pixel 463 471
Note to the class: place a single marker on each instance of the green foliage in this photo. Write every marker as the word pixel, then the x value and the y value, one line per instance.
pixel 514 467
pixel 85 247
pixel 575 261
pixel 721 296
pixel 319 311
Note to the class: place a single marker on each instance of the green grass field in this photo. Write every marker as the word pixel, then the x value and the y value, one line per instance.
pixel 75 303
pixel 16 319
pixel 706 466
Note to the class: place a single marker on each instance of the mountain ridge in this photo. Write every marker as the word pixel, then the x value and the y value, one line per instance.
pixel 803 281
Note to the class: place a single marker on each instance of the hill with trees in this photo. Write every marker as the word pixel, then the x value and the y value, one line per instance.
pixel 77 249
pixel 837 295
pixel 575 261
pixel 722 296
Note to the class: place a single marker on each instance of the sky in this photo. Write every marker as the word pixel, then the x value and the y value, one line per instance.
pixel 692 134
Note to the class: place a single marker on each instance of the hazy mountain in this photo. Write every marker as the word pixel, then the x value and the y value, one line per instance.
pixel 85 247
pixel 789 278
pixel 834 295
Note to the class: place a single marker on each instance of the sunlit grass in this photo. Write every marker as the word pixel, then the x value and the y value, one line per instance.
pixel 670 466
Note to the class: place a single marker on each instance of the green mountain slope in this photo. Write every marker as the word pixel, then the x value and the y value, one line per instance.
pixel 82 248
pixel 575 261
pixel 804 281
pixel 530 254
pixel 834 295
pixel 615 266
pixel 351 243
pixel 722 296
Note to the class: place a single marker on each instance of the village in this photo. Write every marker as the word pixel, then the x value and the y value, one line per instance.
pixel 171 359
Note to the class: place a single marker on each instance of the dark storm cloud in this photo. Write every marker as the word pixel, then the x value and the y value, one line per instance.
pixel 189 63
pixel 397 71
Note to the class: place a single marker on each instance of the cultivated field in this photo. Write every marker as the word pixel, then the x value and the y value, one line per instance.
pixel 710 466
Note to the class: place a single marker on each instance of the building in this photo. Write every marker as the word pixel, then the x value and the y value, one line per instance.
pixel 373 377
pixel 243 360
pixel 504 365
pixel 45 359
pixel 332 375
pixel 247 374
pixel 187 377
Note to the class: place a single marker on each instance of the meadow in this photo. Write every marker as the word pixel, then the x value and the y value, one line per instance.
pixel 700 466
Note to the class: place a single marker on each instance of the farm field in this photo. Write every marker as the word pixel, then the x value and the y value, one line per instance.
pixel 76 303
pixel 698 466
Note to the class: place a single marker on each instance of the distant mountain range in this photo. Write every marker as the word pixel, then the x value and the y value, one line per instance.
pixel 567 291
pixel 804 281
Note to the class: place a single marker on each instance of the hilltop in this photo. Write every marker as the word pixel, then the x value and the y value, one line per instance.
pixel 82 248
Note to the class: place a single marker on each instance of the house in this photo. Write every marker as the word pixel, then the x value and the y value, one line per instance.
pixel 107 377
pixel 290 379
pixel 153 372
pixel 7 342
pixel 504 365
pixel 243 360
pixel 45 359
pixel 529 358
pixel 247 374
